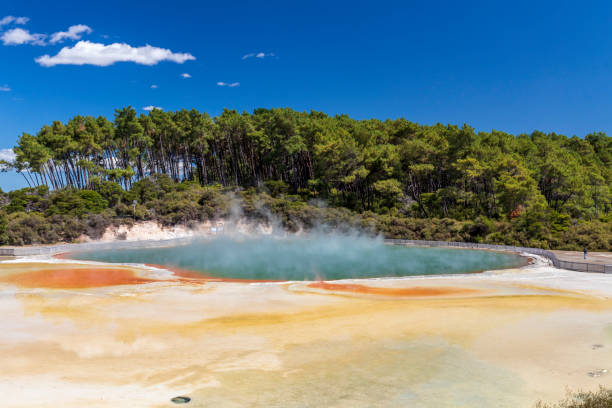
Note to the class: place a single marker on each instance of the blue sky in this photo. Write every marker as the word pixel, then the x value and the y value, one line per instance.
pixel 512 66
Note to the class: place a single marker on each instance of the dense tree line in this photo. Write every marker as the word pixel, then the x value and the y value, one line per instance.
pixel 392 168
pixel 37 215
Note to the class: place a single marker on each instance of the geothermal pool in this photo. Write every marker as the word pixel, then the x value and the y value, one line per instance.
pixel 310 257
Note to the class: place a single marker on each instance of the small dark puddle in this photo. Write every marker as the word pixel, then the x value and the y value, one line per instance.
pixel 180 400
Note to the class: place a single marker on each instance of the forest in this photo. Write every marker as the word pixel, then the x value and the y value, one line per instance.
pixel 394 177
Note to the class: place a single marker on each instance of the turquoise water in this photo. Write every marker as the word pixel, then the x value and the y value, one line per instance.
pixel 309 257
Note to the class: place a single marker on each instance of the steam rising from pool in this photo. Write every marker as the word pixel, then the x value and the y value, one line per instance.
pixel 312 256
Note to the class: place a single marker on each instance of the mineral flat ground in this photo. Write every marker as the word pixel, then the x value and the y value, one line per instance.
pixel 77 334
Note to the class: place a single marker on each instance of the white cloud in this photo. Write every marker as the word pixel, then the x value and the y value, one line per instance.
pixel 90 53
pixel 230 84
pixel 18 36
pixel 74 33
pixel 153 86
pixel 185 75
pixel 151 107
pixel 7 155
pixel 4 88
pixel 12 19
pixel 257 55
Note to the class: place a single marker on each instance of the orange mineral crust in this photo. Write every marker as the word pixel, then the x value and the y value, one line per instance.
pixel 73 278
pixel 415 291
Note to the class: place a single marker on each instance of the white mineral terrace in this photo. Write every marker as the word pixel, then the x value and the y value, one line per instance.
pixel 77 334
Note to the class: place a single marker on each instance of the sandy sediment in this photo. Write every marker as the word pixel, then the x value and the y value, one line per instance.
pixel 140 336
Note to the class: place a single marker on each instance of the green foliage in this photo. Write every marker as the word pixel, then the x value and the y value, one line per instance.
pixel 27 199
pixel 583 399
pixel 3 228
pixel 68 214
pixel 109 190
pixel 30 228
pixel 76 202
pixel 390 193
pixel 276 187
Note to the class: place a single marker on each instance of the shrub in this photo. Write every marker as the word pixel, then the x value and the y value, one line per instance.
pixel 109 190
pixel 30 228
pixel 3 229
pixel 583 399
pixel 76 202
pixel 27 199
pixel 97 224
pixel 276 188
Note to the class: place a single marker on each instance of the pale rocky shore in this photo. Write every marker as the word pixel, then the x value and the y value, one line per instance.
pixel 151 230
pixel 88 334
pixel 147 233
